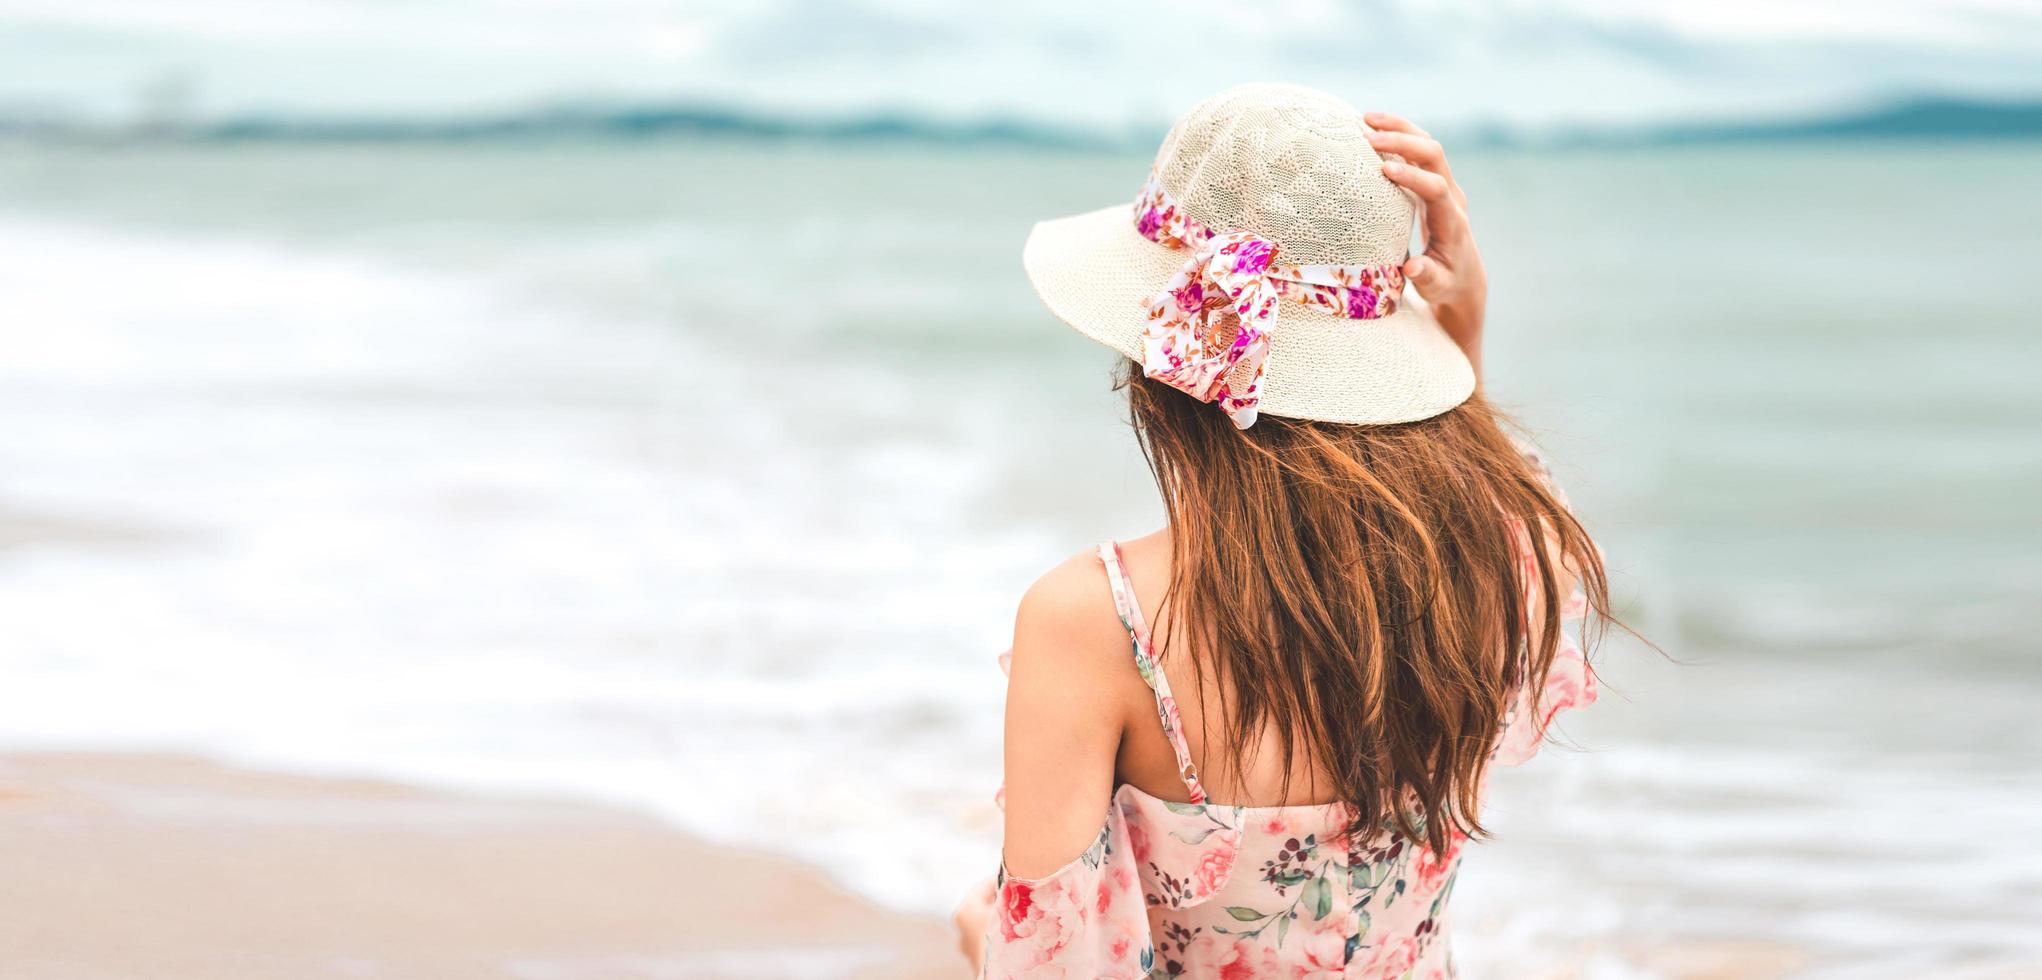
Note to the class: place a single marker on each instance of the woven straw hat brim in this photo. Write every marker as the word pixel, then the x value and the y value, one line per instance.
pixel 1097 273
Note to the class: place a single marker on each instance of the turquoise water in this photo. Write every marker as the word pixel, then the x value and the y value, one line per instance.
pixel 670 473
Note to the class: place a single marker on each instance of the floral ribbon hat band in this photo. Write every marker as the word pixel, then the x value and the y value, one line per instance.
pixel 1209 329
pixel 1261 270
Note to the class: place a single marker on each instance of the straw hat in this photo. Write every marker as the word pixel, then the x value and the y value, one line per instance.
pixel 1292 167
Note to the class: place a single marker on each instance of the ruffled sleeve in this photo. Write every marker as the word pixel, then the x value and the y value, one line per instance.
pixel 1085 920
pixel 1569 683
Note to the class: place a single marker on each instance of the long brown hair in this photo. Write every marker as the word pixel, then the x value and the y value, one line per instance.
pixel 1364 592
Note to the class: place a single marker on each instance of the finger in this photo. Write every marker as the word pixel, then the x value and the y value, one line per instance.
pixel 1421 150
pixel 1392 122
pixel 1442 209
pixel 1425 273
pixel 1445 219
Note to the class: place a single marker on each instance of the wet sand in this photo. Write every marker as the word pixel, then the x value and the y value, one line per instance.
pixel 164 866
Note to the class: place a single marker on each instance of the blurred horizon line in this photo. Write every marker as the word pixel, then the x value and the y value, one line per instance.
pixel 1913 116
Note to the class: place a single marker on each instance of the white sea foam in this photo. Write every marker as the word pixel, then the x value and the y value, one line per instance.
pixel 374 520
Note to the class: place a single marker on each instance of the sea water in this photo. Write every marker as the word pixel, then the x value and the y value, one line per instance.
pixel 704 478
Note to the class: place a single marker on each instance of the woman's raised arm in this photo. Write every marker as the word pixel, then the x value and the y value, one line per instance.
pixel 1449 274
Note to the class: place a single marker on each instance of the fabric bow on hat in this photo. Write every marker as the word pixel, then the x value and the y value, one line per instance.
pixel 1208 334
pixel 1209 329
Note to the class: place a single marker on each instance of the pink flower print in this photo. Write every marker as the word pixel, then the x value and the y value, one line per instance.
pixel 1253 257
pixel 1431 869
pixel 1138 840
pixel 1361 303
pixel 1043 918
pixel 1216 864
pixel 1275 826
pixel 1325 956
pixel 1121 948
pixel 1227 958
pixel 1017 906
pixel 1064 919
pixel 1390 957
pixel 1150 221
pixel 1191 297
pixel 1118 884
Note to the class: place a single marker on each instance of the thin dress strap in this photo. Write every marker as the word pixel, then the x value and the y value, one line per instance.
pixel 1145 662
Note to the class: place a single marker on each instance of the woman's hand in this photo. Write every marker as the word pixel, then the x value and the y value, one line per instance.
pixel 970 919
pixel 1449 273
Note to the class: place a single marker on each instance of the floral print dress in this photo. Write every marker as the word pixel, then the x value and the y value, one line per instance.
pixel 1204 889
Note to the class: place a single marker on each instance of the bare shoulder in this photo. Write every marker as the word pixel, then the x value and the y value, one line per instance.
pixel 1067 621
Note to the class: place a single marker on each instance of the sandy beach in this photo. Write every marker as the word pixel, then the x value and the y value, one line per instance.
pixel 162 866
pixel 165 866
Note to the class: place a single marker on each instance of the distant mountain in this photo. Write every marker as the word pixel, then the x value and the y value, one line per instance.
pixel 1942 118
pixel 644 122
pixel 1924 118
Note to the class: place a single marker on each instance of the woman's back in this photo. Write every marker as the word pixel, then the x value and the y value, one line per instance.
pixel 1256 884
pixel 1147 760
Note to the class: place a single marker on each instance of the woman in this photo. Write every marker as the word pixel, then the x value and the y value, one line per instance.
pixel 1357 601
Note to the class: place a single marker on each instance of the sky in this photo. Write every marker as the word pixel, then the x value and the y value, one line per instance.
pixel 1084 63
